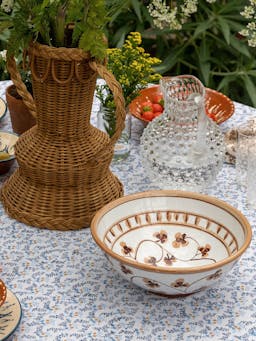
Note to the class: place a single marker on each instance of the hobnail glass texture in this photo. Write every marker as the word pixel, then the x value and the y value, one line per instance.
pixel 182 148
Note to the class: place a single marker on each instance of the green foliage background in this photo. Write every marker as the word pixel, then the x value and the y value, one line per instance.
pixel 209 46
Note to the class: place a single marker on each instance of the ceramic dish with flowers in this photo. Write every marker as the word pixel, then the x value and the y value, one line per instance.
pixel 171 242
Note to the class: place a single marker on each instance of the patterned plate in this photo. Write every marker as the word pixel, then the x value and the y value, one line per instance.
pixel 218 106
pixel 10 315
pixel 3 292
pixel 3 108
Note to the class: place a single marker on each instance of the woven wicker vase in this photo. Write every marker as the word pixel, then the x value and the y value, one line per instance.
pixel 63 176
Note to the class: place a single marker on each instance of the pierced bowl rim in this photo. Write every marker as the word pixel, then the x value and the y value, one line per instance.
pixel 208 92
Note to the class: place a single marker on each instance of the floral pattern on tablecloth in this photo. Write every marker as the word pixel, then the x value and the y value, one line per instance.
pixel 69 292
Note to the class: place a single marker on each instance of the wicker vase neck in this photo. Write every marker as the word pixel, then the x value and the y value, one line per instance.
pixel 63 91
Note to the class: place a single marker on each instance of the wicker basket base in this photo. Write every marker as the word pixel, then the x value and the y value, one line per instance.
pixel 47 206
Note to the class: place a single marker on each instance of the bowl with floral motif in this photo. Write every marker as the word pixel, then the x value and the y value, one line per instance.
pixel 171 242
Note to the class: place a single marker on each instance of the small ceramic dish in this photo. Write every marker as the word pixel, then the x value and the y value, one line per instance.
pixel 3 108
pixel 7 156
pixel 3 292
pixel 217 106
pixel 10 315
pixel 171 242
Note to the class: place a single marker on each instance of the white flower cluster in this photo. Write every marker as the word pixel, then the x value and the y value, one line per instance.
pixel 7 5
pixel 165 15
pixel 3 54
pixel 249 13
pixel 189 7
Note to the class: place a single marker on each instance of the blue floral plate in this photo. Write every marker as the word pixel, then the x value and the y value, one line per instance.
pixel 10 315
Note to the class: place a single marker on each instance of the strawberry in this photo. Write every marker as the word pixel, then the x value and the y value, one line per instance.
pixel 157 107
pixel 146 106
pixel 148 115
pixel 157 113
pixel 158 99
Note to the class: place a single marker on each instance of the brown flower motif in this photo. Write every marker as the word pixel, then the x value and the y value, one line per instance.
pixel 161 236
pixel 204 250
pixel 126 250
pixel 149 283
pixel 179 283
pixel 169 260
pixel 150 260
pixel 125 270
pixel 216 275
pixel 180 240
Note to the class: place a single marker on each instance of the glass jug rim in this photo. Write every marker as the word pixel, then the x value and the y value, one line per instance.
pixel 171 79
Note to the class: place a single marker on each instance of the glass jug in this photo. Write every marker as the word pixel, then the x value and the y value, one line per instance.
pixel 183 148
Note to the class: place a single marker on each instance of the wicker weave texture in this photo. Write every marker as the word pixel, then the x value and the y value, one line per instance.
pixel 59 208
pixel 63 176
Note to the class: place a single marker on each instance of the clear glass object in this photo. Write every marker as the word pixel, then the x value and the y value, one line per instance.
pixel 182 148
pixel 106 123
pixel 246 136
pixel 251 177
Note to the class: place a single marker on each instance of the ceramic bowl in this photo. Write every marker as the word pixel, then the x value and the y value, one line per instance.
pixel 217 106
pixel 3 109
pixel 171 242
pixel 3 292
pixel 7 156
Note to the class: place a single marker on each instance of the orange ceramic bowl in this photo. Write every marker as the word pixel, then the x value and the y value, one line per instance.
pixel 218 106
pixel 3 292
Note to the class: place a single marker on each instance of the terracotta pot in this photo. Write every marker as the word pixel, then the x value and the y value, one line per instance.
pixel 21 118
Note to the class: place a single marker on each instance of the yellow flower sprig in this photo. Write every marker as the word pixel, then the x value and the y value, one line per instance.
pixel 132 68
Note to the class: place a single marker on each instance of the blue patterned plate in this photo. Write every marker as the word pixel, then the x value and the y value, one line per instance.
pixel 10 315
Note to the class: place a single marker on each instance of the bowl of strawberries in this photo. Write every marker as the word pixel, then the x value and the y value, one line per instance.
pixel 150 104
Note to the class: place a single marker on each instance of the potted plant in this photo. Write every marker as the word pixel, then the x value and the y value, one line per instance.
pixel 21 118
pixel 133 67
pixel 58 23
pixel 63 160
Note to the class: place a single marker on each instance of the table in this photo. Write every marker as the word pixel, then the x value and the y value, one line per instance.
pixel 69 292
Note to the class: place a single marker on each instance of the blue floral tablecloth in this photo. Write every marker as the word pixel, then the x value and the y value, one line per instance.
pixel 69 292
